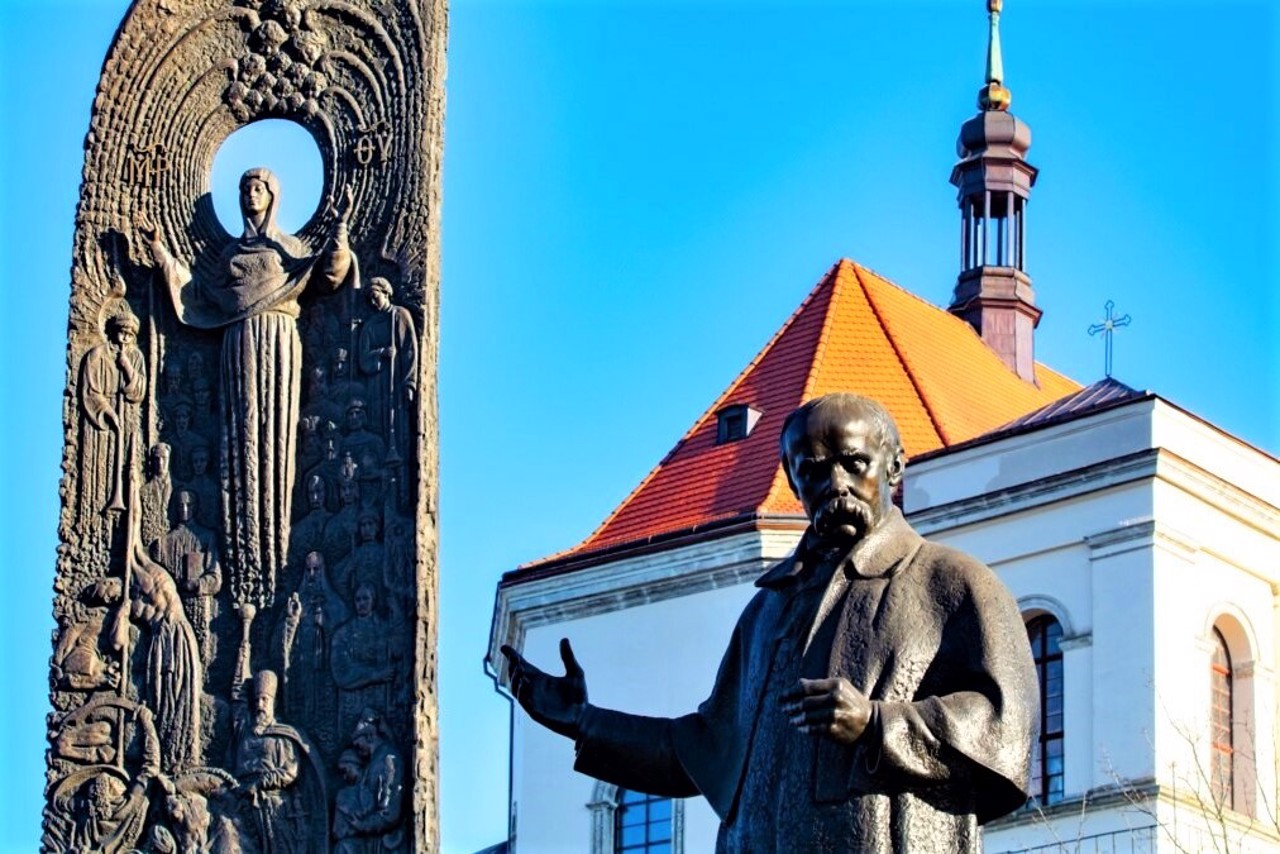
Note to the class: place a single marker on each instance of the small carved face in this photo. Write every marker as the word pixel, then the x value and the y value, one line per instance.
pixel 315 493
pixel 185 503
pixel 368 529
pixel 126 337
pixel 199 460
pixel 349 768
pixel 255 198
pixel 355 418
pixel 349 492
pixel 182 419
pixel 160 460
pixel 315 563
pixel 264 709
pixel 380 299
pixel 364 600
pixel 842 470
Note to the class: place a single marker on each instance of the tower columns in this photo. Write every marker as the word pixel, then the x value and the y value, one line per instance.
pixel 993 183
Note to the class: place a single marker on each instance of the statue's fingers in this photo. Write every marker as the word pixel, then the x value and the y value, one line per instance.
pixel 808 687
pixel 571 666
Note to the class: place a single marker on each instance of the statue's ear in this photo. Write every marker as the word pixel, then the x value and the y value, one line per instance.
pixel 786 467
pixel 897 464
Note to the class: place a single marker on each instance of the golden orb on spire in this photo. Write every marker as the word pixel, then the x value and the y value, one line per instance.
pixel 994 5
pixel 994 96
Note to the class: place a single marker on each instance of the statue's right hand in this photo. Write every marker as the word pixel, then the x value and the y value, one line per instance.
pixel 556 702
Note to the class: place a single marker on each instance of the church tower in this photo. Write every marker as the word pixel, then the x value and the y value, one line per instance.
pixel 993 181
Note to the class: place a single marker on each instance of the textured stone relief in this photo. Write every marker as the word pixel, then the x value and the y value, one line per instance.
pixel 245 597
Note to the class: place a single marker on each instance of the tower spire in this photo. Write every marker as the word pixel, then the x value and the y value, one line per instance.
pixel 994 96
pixel 993 183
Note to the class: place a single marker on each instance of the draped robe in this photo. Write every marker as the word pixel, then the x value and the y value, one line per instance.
pixel 254 299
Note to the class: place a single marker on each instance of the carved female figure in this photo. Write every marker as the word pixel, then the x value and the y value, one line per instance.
pixel 252 294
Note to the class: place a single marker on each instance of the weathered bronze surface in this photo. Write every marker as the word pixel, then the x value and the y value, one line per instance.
pixel 878 694
pixel 246 586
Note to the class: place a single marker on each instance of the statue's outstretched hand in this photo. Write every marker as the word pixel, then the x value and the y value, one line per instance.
pixel 556 702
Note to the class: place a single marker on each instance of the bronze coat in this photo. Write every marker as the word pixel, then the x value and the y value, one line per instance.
pixel 944 658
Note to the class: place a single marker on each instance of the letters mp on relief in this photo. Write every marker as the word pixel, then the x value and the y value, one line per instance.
pixel 246 589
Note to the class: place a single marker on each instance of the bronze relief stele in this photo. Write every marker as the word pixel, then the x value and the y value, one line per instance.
pixel 246 585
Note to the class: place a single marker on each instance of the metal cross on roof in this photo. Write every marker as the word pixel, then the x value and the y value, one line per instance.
pixel 1108 329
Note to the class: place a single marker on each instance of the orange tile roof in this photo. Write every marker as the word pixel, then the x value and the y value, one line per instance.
pixel 856 331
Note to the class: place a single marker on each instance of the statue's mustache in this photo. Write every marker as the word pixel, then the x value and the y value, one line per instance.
pixel 841 510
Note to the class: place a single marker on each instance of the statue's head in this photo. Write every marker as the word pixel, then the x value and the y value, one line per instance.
pixel 180 410
pixel 265 686
pixel 368 733
pixel 257 192
pixel 259 198
pixel 355 414
pixel 843 458
pixel 199 459
pixel 365 599
pixel 184 505
pixel 368 524
pixel 158 456
pixel 122 328
pixel 315 492
pixel 380 293
pixel 349 766
pixel 314 564
pixel 348 491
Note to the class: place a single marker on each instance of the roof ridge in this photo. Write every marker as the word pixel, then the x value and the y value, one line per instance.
pixel 715 406
pixel 953 318
pixel 819 348
pixel 897 352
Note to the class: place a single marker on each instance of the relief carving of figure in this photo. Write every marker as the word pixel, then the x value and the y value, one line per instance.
pixel 349 803
pixel 367 562
pixel 174 675
pixel 202 485
pixel 360 442
pixel 307 534
pixel 190 552
pixel 389 357
pixel 101 805
pixel 363 659
pixel 113 381
pixel 312 615
pixel 252 294
pixel 283 809
pixel 157 492
pixel 78 660
pixel 381 799
pixel 340 530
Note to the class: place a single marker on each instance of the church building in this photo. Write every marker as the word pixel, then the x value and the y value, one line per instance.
pixel 1141 542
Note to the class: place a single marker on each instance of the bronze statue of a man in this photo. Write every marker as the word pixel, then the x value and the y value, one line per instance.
pixel 877 696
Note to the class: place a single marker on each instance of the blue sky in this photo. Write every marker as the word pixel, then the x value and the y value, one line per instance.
pixel 636 197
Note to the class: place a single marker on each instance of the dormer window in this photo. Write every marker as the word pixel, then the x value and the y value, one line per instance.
pixel 735 422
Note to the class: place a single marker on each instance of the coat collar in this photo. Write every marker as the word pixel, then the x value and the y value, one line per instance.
pixel 873 556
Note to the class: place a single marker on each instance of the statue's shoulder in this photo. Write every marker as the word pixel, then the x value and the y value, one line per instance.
pixel 951 569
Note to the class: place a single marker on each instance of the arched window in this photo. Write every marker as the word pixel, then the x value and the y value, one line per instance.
pixel 1045 634
pixel 642 824
pixel 1221 721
